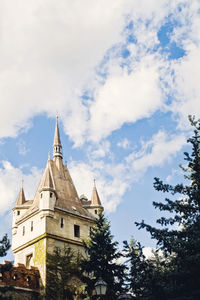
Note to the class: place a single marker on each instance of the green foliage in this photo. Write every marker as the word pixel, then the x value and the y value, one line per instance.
pixel 102 259
pixel 4 245
pixel 145 277
pixel 179 235
pixel 63 274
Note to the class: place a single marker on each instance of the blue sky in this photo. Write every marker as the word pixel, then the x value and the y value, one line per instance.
pixel 122 75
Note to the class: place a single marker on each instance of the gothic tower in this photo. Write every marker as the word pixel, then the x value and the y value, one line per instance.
pixel 54 218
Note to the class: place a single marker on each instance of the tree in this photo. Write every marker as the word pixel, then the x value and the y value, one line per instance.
pixel 63 274
pixel 102 259
pixel 181 242
pixel 145 276
pixel 4 247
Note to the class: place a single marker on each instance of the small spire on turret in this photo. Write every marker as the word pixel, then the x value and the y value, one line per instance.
pixel 21 197
pixel 95 200
pixel 47 183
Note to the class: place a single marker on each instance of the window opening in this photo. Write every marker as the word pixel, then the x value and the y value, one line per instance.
pixel 31 225
pixel 23 230
pixel 15 276
pixel 29 260
pixel 61 223
pixel 76 230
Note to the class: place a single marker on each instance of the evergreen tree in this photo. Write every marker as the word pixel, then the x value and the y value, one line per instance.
pixel 4 247
pixel 145 276
pixel 102 259
pixel 63 274
pixel 181 243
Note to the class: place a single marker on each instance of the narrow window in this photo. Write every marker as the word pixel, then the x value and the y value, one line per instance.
pixel 18 212
pixel 95 211
pixel 23 230
pixel 51 195
pixel 61 223
pixel 76 231
pixel 29 260
pixel 31 225
pixel 41 195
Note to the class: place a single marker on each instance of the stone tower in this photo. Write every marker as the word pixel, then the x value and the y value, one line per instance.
pixel 54 218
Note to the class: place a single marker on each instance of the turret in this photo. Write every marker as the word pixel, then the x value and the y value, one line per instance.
pixel 21 206
pixel 47 191
pixel 94 206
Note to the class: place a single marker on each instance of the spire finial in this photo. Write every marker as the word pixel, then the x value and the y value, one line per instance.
pixel 22 183
pixel 94 182
pixel 49 155
pixel 57 147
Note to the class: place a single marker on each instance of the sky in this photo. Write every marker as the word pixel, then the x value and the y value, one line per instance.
pixel 122 75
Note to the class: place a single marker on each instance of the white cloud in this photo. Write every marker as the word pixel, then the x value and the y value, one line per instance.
pixel 125 143
pixel 49 54
pixel 114 179
pixel 187 88
pixel 184 84
pixel 100 150
pixel 48 51
pixel 10 182
pixel 110 181
pixel 126 98
pixel 156 151
pixel 22 147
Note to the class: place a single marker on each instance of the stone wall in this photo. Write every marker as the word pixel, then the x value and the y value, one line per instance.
pixel 24 283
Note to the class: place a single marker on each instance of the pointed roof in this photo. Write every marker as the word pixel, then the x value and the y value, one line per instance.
pixel 57 134
pixel 95 200
pixel 61 182
pixel 47 182
pixel 21 197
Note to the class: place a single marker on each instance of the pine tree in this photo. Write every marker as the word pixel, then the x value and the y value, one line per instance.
pixel 102 259
pixel 181 242
pixel 63 274
pixel 145 276
pixel 4 247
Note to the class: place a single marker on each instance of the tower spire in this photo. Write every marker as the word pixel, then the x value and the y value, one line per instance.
pixel 57 147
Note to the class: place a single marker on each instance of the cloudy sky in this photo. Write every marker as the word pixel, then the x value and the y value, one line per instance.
pixel 122 75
